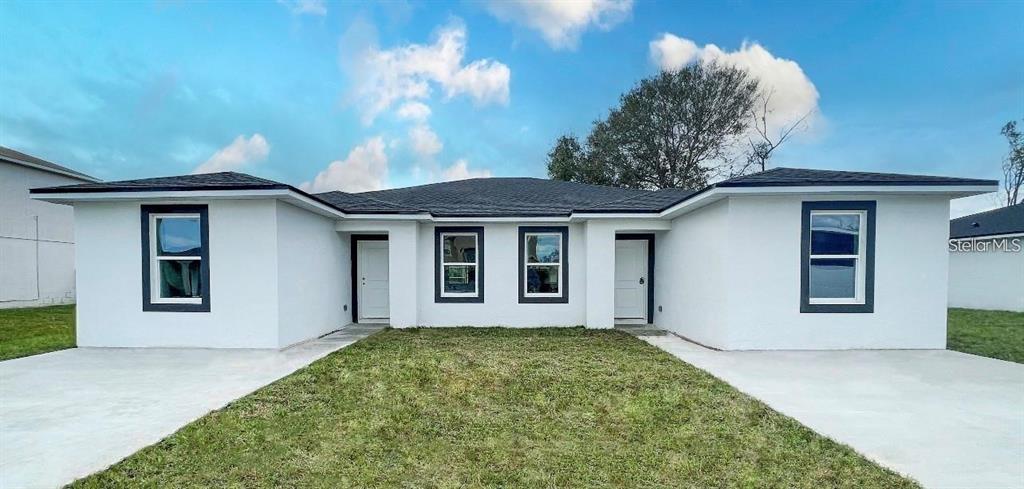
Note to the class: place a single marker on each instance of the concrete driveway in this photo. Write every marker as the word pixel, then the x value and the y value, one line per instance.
pixel 944 418
pixel 67 414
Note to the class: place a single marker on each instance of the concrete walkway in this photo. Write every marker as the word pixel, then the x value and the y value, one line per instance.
pixel 944 418
pixel 67 414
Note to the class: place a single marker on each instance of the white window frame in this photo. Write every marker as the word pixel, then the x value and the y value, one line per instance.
pixel 475 264
pixel 527 265
pixel 860 259
pixel 155 259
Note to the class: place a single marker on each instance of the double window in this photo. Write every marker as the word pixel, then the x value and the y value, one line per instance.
pixel 837 273
pixel 459 272
pixel 543 262
pixel 175 258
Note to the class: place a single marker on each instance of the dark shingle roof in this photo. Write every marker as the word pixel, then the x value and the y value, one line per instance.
pixel 206 181
pixel 8 154
pixel 361 204
pixel 509 197
pixel 655 201
pixel 1006 220
pixel 784 177
pixel 496 197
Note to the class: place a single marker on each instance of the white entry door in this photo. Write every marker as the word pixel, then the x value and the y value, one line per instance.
pixel 631 279
pixel 372 276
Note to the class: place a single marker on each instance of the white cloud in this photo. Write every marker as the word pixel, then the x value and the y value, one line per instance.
pixel 671 52
pixel 365 168
pixel 384 77
pixel 561 22
pixel 424 140
pixel 460 171
pixel 793 95
pixel 236 155
pixel 300 7
pixel 416 111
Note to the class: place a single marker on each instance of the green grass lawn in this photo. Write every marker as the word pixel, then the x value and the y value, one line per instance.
pixel 496 407
pixel 996 334
pixel 36 330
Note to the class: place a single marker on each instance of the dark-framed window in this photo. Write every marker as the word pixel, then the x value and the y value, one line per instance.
pixel 459 264
pixel 175 258
pixel 837 256
pixel 543 264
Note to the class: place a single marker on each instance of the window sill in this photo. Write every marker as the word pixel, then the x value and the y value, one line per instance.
pixel 458 300
pixel 837 308
pixel 175 307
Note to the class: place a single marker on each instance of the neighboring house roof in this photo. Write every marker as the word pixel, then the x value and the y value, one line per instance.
pixel 17 157
pixel 513 197
pixel 1006 220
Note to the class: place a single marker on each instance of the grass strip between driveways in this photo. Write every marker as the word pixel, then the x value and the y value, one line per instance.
pixel 995 334
pixel 35 330
pixel 476 407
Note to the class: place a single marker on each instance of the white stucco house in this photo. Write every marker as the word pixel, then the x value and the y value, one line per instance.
pixel 784 259
pixel 37 245
pixel 986 260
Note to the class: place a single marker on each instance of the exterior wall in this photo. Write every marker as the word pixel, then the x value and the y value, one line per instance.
pixel 991 279
pixel 690 285
pixel 403 254
pixel 36 241
pixel 501 305
pixel 243 280
pixel 758 257
pixel 314 275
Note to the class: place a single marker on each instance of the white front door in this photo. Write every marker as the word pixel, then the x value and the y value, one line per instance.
pixel 631 279
pixel 372 277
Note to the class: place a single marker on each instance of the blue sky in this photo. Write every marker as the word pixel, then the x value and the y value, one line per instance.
pixel 328 95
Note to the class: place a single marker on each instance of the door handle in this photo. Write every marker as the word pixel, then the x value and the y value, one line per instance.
pixel 641 280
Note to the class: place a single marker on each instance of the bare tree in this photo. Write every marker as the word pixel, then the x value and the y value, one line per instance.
pixel 764 141
pixel 1013 164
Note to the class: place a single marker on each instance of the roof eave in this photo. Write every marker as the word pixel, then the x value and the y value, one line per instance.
pixel 59 171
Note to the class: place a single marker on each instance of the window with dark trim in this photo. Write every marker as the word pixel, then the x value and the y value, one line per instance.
pixel 459 264
pixel 175 258
pixel 837 259
pixel 543 264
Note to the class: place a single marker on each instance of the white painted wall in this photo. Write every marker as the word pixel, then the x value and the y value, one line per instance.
pixel 313 275
pixel 501 305
pixel 690 284
pixel 758 253
pixel 243 274
pixel 403 253
pixel 991 279
pixel 36 240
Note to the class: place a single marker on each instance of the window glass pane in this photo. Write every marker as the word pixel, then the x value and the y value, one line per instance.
pixel 834 234
pixel 460 279
pixel 543 248
pixel 178 236
pixel 180 278
pixel 833 278
pixel 542 279
pixel 460 249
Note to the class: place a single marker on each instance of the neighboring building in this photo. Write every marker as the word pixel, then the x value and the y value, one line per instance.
pixel 986 260
pixel 784 259
pixel 37 239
